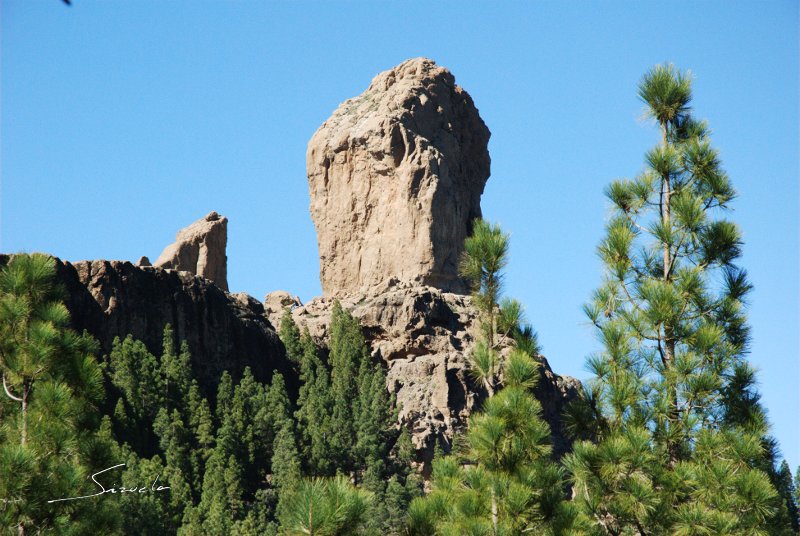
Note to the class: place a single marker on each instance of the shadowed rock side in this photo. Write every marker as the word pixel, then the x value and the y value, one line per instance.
pixel 396 176
pixel 200 250
pixel 423 335
pixel 224 331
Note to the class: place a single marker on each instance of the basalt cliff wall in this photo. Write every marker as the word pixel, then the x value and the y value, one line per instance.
pixel 224 331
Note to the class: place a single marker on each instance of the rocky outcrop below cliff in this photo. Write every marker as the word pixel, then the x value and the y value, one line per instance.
pixel 423 335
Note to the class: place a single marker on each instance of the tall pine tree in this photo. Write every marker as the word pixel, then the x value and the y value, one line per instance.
pixel 49 434
pixel 506 481
pixel 670 315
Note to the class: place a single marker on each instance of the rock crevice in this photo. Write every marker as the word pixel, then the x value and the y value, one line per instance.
pixel 424 337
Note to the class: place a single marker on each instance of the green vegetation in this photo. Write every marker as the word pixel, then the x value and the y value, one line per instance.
pixel 677 440
pixel 505 481
pixel 254 463
pixel 671 437
pixel 49 418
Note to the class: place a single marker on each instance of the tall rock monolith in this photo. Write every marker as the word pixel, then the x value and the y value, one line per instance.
pixel 396 176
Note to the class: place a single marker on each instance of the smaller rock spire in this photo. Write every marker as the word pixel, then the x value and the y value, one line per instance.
pixel 200 249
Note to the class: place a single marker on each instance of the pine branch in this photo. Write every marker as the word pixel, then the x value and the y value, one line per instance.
pixel 5 388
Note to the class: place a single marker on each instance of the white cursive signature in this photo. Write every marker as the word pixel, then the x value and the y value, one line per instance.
pixel 121 489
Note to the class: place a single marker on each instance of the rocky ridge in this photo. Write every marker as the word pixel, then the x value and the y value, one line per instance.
pixel 424 336
pixel 224 331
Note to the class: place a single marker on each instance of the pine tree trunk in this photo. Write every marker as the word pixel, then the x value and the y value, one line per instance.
pixel 669 335
pixel 494 513
pixel 24 434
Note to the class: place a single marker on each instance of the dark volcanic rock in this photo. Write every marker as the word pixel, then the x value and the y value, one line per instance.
pixel 224 331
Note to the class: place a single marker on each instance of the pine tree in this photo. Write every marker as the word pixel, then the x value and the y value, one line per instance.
pixel 507 483
pixel 285 466
pixel 149 514
pixel 666 460
pixel 175 444
pixel 347 352
pixel 290 337
pixel 788 494
pixel 255 442
pixel 276 410
pixel 500 320
pixel 176 371
pixel 137 374
pixel 201 424
pixel 49 435
pixel 325 507
pixel 314 411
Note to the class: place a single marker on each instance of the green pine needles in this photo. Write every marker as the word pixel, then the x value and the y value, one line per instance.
pixel 671 452
pixel 49 417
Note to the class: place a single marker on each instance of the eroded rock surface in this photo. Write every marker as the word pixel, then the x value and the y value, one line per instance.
pixel 424 337
pixel 396 176
pixel 276 302
pixel 200 249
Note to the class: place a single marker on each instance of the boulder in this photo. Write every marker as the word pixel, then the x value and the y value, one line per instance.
pixel 276 302
pixel 200 250
pixel 396 176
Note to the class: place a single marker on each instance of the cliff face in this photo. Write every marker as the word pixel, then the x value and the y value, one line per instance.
pixel 396 176
pixel 224 331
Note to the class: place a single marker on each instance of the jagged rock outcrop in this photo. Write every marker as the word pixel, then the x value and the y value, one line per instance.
pixel 396 176
pixel 424 337
pixel 276 302
pixel 224 331
pixel 200 249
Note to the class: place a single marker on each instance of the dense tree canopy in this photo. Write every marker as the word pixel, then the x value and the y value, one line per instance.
pixel 49 418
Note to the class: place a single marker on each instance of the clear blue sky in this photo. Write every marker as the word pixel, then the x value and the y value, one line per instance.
pixel 124 121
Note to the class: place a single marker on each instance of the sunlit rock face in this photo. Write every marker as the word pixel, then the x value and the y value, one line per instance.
pixel 200 250
pixel 396 176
